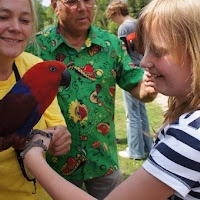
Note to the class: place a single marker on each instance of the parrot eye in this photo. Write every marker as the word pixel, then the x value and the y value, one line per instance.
pixel 52 69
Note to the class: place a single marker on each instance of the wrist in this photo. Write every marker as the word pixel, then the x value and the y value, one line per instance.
pixel 34 151
pixel 33 155
pixel 31 144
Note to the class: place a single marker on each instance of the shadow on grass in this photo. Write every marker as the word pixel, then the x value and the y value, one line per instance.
pixel 121 140
pixel 125 175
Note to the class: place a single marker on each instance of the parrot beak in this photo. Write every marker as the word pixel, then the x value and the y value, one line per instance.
pixel 66 79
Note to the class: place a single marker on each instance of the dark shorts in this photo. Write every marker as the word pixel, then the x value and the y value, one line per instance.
pixel 100 187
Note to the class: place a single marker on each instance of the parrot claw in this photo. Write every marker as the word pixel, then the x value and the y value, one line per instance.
pixel 37 143
pixel 36 131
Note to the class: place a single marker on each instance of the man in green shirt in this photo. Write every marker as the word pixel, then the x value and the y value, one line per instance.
pixel 97 60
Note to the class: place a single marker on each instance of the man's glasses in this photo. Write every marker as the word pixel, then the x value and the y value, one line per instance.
pixel 74 3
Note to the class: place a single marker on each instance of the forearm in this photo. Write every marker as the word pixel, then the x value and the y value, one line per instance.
pixel 57 187
pixel 141 186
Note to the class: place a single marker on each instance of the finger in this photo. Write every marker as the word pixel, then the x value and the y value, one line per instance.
pixel 61 149
pixel 59 133
pixel 60 138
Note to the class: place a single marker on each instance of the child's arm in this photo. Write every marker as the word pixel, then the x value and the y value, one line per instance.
pixel 57 187
pixel 139 186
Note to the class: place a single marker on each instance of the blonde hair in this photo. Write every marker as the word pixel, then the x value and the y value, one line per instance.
pixel 34 22
pixel 32 39
pixel 117 7
pixel 178 22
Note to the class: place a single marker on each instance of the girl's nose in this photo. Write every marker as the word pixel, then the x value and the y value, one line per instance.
pixel 15 26
pixel 146 61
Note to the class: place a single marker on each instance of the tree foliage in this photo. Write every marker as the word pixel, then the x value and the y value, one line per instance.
pixel 46 16
pixel 135 7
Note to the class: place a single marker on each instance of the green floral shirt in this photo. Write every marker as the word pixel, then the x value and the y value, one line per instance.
pixel 88 103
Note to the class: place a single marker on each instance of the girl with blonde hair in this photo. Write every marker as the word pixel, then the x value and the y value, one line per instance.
pixel 169 33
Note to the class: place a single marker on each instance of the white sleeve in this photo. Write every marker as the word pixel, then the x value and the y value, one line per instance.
pixel 175 157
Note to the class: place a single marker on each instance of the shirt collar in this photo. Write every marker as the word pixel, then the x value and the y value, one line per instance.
pixel 95 36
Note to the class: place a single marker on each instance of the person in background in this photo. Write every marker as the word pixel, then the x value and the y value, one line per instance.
pixel 17 24
pixel 139 143
pixel 96 60
pixel 169 33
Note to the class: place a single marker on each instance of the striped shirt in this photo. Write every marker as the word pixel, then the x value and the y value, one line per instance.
pixel 175 157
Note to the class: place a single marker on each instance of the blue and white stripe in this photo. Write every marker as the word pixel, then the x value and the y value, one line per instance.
pixel 175 157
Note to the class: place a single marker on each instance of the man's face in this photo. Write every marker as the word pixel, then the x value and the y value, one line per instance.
pixel 74 19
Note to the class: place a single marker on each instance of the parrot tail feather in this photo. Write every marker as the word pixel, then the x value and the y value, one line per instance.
pixel 14 140
pixel 4 144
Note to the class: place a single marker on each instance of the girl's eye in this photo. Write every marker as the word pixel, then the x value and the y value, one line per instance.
pixel 25 21
pixel 3 17
pixel 159 52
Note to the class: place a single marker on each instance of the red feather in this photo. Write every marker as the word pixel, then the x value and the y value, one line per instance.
pixel 23 106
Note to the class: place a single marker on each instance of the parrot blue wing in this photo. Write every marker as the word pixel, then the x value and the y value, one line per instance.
pixel 21 107
pixel 18 115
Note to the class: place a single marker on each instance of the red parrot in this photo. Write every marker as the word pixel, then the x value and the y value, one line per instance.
pixel 131 40
pixel 23 106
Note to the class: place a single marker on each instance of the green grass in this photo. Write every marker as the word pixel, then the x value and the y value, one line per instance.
pixel 154 112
